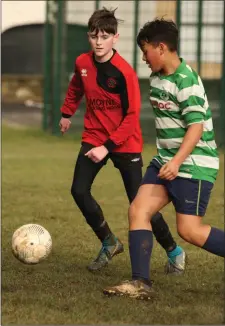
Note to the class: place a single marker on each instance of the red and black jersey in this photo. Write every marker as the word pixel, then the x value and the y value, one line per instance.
pixel 113 103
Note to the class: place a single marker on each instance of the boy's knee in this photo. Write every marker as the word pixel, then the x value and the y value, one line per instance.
pixel 182 233
pixel 136 213
pixel 187 233
pixel 133 212
pixel 78 193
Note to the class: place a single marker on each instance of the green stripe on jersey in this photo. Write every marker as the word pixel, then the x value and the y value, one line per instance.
pixel 178 101
pixel 208 136
pixel 170 133
pixel 192 101
pixel 194 171
pixel 170 152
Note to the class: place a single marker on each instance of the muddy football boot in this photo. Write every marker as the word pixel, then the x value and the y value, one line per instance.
pixel 136 289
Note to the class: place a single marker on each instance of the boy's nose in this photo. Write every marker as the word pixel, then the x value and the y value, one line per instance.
pixel 98 41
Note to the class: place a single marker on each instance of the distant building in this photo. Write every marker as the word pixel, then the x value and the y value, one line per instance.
pixel 32 13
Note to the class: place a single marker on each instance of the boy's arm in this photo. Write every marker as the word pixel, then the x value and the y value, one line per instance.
pixel 190 140
pixel 170 170
pixel 74 95
pixel 192 102
pixel 129 123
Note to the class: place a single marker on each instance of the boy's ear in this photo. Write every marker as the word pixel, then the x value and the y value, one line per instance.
pixel 162 47
pixel 115 38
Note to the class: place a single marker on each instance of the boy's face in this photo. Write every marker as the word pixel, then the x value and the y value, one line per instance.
pixel 153 56
pixel 102 43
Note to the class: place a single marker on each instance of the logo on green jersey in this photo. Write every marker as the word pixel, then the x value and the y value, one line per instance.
pixel 164 95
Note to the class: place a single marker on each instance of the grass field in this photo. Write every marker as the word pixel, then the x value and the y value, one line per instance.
pixel 36 178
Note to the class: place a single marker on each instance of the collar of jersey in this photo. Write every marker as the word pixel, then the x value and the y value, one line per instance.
pixel 102 63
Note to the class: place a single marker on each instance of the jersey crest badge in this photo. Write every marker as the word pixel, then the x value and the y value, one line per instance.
pixel 164 95
pixel 111 82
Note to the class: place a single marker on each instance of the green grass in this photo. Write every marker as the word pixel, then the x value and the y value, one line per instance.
pixel 36 178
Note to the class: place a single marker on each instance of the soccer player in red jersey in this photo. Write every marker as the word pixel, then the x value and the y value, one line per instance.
pixel 111 131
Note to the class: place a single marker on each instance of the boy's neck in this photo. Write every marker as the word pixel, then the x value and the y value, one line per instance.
pixel 105 58
pixel 171 64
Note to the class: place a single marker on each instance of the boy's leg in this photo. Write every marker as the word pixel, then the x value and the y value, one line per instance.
pixel 151 197
pixel 191 229
pixel 191 198
pixel 131 172
pixel 84 175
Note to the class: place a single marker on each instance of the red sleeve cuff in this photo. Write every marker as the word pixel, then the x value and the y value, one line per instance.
pixel 67 116
pixel 110 145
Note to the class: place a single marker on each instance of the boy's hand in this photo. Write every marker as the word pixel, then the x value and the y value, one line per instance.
pixel 169 170
pixel 97 154
pixel 64 124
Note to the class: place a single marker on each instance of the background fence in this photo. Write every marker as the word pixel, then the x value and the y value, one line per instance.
pixel 202 44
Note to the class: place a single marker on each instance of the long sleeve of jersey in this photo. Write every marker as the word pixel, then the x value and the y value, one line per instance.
pixel 132 99
pixel 74 95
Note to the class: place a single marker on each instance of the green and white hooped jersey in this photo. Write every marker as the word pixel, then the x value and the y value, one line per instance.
pixel 179 100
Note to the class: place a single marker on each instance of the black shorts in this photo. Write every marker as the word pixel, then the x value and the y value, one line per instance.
pixel 189 196
pixel 120 160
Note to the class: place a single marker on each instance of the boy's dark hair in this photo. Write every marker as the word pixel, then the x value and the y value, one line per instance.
pixel 103 20
pixel 159 30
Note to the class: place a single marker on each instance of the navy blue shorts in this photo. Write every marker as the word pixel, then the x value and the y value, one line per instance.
pixel 189 196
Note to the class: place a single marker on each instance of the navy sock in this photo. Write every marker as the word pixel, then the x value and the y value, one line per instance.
pixel 140 247
pixel 215 242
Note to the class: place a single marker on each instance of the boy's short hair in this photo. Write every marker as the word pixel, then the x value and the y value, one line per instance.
pixel 103 20
pixel 159 30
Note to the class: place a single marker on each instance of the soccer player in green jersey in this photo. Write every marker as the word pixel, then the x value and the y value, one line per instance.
pixel 185 168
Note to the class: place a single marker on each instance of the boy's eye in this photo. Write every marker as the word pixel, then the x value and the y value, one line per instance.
pixel 104 37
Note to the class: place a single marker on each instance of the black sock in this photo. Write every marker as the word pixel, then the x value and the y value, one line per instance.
pixel 140 247
pixel 103 231
pixel 162 233
pixel 215 242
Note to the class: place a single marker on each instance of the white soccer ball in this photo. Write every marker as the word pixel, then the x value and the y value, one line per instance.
pixel 31 243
